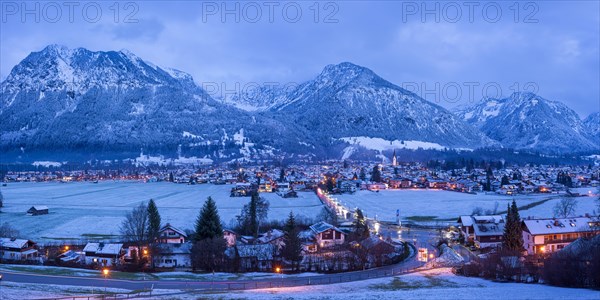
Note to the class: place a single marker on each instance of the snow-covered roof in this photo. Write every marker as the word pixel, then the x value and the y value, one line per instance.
pixel 175 248
pixel 271 235
pixel 559 225
pixel 39 207
pixel 322 226
pixel 488 229
pixel 465 220
pixel 102 248
pixel 489 219
pixel 471 220
pixel 13 243
pixel 171 227
pixel 261 252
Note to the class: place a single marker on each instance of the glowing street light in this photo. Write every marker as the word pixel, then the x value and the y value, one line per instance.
pixel 105 274
pixel 278 270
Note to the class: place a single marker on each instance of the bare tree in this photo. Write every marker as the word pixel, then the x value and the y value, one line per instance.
pixel 135 228
pixel 7 231
pixel 565 207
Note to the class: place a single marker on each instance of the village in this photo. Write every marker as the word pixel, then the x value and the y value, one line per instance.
pixel 343 238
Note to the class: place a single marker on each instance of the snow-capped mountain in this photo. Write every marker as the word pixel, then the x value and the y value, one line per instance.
pixel 62 98
pixel 257 98
pixel 592 123
pixel 76 100
pixel 347 100
pixel 528 121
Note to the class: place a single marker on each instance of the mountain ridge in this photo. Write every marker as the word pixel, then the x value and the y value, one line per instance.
pixel 61 98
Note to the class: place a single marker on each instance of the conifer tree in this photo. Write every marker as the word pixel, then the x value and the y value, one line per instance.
pixel 292 251
pixel 376 174
pixel 208 224
pixel 153 221
pixel 153 229
pixel 513 234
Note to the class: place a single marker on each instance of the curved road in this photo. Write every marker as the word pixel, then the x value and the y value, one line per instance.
pixel 406 266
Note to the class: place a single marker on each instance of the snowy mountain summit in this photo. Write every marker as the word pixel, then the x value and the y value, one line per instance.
pixel 62 100
pixel 347 100
pixel 528 121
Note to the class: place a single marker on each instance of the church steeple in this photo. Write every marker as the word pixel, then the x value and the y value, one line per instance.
pixel 394 159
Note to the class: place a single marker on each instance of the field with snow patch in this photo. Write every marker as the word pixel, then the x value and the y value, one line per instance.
pixel 83 209
pixel 433 284
pixel 423 205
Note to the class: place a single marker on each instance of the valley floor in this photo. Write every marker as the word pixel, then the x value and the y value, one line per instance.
pixel 433 284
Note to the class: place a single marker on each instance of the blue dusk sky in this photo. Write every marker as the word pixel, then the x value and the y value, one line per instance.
pixel 485 48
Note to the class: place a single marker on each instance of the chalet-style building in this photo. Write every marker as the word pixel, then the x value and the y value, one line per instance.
pixel 551 235
pixel 17 249
pixel 483 231
pixel 255 257
pixel 103 254
pixel 174 255
pixel 274 237
pixel 172 234
pixel 327 235
pixel 37 210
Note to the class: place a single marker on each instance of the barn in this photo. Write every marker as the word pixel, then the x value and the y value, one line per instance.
pixel 37 210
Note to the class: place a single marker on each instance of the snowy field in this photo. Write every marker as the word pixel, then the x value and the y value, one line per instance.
pixel 448 205
pixel 434 284
pixel 83 209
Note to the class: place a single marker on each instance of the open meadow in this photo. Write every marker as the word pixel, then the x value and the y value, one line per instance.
pixel 80 210
pixel 430 205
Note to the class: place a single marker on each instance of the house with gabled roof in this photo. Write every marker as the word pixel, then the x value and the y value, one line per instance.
pixel 174 255
pixel 172 234
pixel 37 210
pixel 327 235
pixel 550 235
pixel 104 254
pixel 17 249
pixel 483 231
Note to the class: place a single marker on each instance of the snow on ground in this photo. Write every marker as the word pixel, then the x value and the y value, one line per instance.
pixel 380 144
pixel 82 208
pixel 174 275
pixel 446 204
pixel 433 284
pixel 46 164
pixel 12 290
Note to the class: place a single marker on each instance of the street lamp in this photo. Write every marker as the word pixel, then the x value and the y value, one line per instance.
pixel 105 274
pixel 278 270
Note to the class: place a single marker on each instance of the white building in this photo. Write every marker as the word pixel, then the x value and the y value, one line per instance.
pixel 17 249
pixel 172 255
pixel 550 235
pixel 103 254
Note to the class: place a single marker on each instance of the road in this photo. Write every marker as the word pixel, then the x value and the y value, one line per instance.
pixel 409 265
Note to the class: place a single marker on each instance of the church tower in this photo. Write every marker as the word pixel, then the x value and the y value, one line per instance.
pixel 394 159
